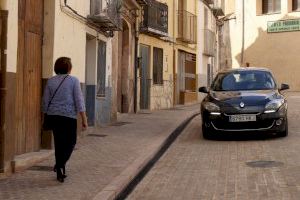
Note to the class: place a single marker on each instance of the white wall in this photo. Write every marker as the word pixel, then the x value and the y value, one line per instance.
pixel 202 59
pixel 70 38
pixel 277 51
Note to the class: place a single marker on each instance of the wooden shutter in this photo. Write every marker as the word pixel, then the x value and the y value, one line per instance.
pixel 267 6
pixel 157 65
pixel 101 71
pixel 295 5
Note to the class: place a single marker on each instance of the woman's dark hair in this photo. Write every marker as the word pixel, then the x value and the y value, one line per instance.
pixel 62 65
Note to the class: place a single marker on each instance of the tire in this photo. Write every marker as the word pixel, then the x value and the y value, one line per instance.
pixel 286 131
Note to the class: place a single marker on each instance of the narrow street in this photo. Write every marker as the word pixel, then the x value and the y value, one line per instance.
pixel 243 167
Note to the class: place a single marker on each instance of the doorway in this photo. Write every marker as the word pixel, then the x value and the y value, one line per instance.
pixel 123 75
pixel 90 78
pixel 29 76
pixel 145 80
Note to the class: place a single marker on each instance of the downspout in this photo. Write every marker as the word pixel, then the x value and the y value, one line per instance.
pixel 136 64
pixel 243 32
pixel 3 89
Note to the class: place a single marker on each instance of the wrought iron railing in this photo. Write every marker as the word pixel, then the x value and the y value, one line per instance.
pixel 187 27
pixel 106 14
pixel 209 42
pixel 155 18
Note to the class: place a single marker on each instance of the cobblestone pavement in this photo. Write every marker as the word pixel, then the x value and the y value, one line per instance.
pixel 99 158
pixel 194 168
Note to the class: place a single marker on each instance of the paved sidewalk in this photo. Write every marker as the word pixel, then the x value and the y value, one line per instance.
pixel 103 162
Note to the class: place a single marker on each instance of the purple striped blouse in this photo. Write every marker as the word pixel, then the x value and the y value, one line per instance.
pixel 68 100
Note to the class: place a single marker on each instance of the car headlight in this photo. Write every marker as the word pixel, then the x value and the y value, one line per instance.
pixel 274 105
pixel 212 108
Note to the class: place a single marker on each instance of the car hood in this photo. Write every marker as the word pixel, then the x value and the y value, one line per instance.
pixel 249 98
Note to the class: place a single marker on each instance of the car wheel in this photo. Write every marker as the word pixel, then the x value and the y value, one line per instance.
pixel 285 132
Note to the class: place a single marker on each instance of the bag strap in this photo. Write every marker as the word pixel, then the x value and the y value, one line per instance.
pixel 56 91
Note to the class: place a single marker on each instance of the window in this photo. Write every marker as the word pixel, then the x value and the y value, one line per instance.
pixel 296 5
pixel 157 66
pixel 101 69
pixel 271 6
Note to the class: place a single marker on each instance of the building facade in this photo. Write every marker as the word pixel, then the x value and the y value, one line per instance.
pixel 155 66
pixel 34 33
pixel 208 46
pixel 186 70
pixel 167 54
pixel 264 33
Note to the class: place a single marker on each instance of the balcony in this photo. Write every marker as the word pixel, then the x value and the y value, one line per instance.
pixel 218 8
pixel 155 19
pixel 106 14
pixel 209 43
pixel 209 1
pixel 187 27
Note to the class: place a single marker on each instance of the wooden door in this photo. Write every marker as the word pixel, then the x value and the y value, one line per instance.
pixel 29 79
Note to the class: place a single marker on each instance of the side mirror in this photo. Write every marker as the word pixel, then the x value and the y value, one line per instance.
pixel 203 89
pixel 284 87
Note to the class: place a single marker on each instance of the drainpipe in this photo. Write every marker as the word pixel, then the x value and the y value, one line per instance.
pixel 243 32
pixel 136 64
pixel 3 47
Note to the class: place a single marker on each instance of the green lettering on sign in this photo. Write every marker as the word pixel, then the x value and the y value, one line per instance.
pixel 283 26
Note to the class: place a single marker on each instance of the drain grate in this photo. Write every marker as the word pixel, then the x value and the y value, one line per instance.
pixel 120 123
pixel 41 168
pixel 96 135
pixel 264 164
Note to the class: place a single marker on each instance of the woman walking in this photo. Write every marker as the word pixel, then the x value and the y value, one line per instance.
pixel 62 101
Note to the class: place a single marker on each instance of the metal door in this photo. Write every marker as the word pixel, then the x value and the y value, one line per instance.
pixel 145 81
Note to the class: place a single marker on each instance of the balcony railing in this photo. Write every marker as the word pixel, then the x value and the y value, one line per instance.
pixel 209 1
pixel 187 27
pixel 209 43
pixel 106 14
pixel 218 8
pixel 155 18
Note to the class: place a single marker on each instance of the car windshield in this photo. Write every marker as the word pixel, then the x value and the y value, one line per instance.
pixel 243 80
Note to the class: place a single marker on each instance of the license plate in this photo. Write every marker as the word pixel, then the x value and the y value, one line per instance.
pixel 242 118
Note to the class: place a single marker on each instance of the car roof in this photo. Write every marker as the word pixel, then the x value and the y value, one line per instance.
pixel 245 69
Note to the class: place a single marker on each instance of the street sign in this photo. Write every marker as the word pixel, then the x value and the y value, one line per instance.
pixel 283 26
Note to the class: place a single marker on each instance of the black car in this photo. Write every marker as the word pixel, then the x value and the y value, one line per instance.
pixel 244 100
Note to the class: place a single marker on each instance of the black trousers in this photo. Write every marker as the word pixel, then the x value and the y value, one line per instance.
pixel 65 136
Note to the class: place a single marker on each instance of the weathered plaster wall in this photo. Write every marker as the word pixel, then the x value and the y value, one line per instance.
pixel 12 33
pixel 161 96
pixel 277 51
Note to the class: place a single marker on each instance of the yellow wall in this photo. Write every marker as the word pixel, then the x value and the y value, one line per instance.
pixel 12 33
pixel 161 96
pixel 277 51
pixel 190 6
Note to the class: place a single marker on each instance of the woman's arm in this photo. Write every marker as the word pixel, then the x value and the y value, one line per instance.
pixel 79 103
pixel 84 120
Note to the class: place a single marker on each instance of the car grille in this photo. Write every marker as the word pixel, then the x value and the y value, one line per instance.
pixel 235 126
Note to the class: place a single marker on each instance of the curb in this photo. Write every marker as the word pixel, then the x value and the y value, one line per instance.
pixel 123 184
